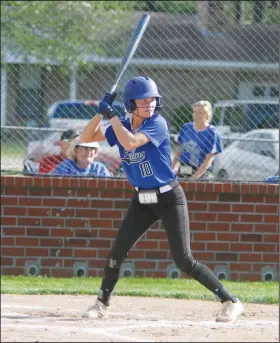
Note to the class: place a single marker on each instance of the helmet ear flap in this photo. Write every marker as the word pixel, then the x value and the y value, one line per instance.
pixel 131 106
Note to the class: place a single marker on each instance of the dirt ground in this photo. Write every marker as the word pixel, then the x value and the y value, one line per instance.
pixel 57 318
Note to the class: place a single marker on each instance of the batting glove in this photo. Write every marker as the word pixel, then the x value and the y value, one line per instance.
pixel 105 110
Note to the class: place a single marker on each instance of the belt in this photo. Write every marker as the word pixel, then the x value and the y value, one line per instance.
pixel 161 189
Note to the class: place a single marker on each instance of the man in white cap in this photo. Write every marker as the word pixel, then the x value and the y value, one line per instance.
pixel 81 161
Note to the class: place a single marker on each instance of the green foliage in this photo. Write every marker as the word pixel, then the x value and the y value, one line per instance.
pixel 186 7
pixel 61 31
pixel 180 116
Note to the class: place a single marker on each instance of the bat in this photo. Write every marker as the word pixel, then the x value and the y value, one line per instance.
pixel 134 42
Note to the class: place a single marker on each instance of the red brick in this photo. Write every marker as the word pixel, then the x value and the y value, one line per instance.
pixel 75 242
pixel 154 274
pixel 270 258
pixel 36 252
pixel 266 228
pixel 89 253
pixel 229 256
pixel 84 203
pixel 61 232
pixel 218 226
pixel 198 226
pixel 244 267
pixel 64 192
pixel 51 242
pixel 253 198
pixel 205 216
pixel 265 247
pixel 206 197
pixel 145 265
pixel 16 191
pixel 205 236
pixel 139 254
pixel 5 221
pixel 228 217
pixel 40 192
pixel 242 227
pixel 37 231
pixel 197 206
pixel 271 219
pixel 58 222
pixel 7 241
pixel 224 197
pixel 197 246
pixel 228 237
pixel 29 221
pixel 27 241
pixel 219 207
pixel 114 214
pixel 267 208
pixel 87 213
pixel 103 233
pixel 272 199
pixel 51 262
pixel 271 238
pixel 204 256
pixel 151 234
pixel 54 202
pixel 96 263
pixel 251 237
pixel 241 247
pixel 14 231
pixel 122 204
pixel 160 254
pixel 12 271
pixel 100 223
pixel 7 261
pixel 242 208
pixel 38 212
pixel 12 251
pixel 103 253
pixel 218 246
pixel 99 243
pixel 30 201
pixel 146 244
pixel 246 257
pixel 9 201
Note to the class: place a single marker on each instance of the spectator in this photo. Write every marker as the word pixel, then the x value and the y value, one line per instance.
pixel 81 161
pixel 48 163
pixel 199 142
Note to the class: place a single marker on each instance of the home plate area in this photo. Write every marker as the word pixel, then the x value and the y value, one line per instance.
pixel 57 318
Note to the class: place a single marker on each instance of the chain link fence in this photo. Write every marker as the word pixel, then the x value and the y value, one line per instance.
pixel 58 58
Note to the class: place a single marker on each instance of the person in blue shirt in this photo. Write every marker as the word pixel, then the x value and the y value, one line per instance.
pixel 81 162
pixel 198 143
pixel 144 145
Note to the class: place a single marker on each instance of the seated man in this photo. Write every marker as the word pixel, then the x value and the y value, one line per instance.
pixel 48 163
pixel 199 142
pixel 81 161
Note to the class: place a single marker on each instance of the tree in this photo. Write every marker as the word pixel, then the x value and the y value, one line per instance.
pixel 64 31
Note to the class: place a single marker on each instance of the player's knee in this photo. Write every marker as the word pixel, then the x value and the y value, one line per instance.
pixel 187 263
pixel 114 262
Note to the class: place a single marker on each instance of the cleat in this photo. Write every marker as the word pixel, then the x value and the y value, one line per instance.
pixel 98 310
pixel 230 311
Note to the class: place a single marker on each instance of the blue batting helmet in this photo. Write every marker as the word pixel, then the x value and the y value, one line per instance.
pixel 140 87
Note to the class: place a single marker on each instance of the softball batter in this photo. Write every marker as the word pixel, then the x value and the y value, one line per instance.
pixel 144 145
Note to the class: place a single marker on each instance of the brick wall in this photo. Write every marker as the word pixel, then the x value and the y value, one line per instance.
pixel 57 222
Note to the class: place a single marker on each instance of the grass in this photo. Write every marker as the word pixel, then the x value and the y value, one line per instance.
pixel 249 292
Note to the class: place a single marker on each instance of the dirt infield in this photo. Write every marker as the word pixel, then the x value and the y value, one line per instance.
pixel 57 318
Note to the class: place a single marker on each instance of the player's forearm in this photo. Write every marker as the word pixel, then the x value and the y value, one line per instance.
pixel 126 138
pixel 203 168
pixel 90 129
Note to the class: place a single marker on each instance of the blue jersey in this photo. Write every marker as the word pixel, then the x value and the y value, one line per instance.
pixel 197 144
pixel 69 167
pixel 148 166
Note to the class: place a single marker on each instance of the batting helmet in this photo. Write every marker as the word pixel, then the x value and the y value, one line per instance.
pixel 140 87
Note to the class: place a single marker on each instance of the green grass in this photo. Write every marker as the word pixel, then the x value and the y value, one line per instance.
pixel 12 150
pixel 250 292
